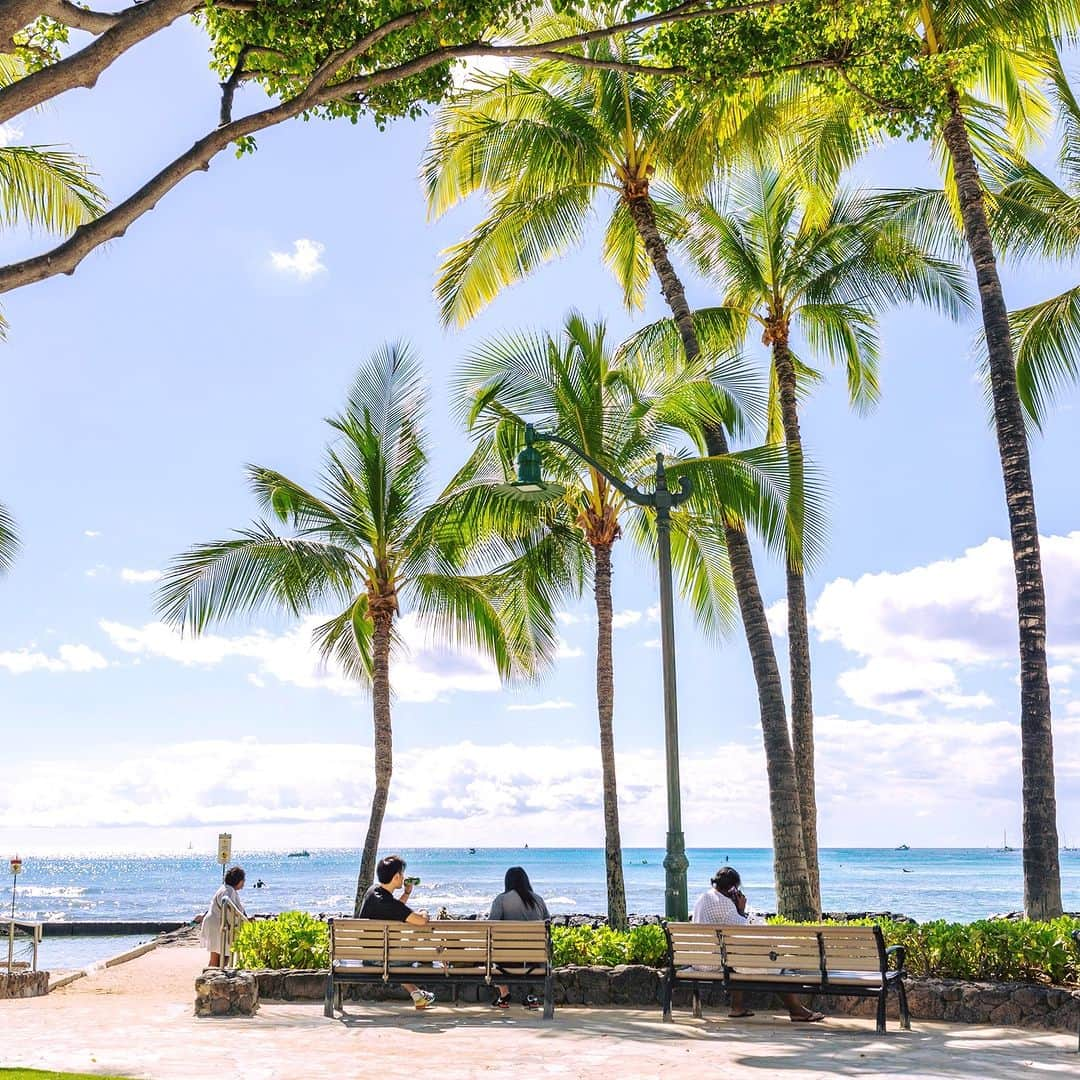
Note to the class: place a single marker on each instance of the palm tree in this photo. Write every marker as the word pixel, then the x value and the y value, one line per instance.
pixel 1015 62
pixel 545 143
pixel 9 539
pixel 823 275
pixel 366 543
pixel 618 413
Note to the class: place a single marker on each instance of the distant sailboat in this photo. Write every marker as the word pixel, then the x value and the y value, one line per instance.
pixel 903 847
pixel 1005 841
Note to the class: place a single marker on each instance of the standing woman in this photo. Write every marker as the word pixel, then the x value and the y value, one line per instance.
pixel 227 898
pixel 520 904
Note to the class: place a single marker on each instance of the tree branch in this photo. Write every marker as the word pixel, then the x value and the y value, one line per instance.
pixel 155 14
pixel 80 18
pixel 82 68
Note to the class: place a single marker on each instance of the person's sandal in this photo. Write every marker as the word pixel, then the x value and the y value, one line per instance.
pixel 809 1018
pixel 532 1002
pixel 502 1001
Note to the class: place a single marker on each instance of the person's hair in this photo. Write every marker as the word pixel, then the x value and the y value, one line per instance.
pixel 389 868
pixel 518 881
pixel 234 875
pixel 726 879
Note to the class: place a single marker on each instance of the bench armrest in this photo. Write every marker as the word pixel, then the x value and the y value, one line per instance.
pixel 900 952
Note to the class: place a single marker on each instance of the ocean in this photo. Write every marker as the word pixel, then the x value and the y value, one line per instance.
pixel 942 883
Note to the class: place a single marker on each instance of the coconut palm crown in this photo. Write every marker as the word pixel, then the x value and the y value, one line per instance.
pixel 365 545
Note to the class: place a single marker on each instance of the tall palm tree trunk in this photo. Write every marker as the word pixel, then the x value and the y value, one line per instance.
pixel 1042 875
pixel 793 894
pixel 802 697
pixel 605 707
pixel 384 748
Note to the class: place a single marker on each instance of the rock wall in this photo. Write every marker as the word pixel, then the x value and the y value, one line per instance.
pixel 1010 1004
pixel 23 984
pixel 224 992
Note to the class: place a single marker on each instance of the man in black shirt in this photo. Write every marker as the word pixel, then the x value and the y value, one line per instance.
pixel 381 903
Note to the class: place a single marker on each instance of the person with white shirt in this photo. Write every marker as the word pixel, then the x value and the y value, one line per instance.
pixel 725 905
pixel 227 897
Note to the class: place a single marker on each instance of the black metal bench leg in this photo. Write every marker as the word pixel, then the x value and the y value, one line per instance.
pixel 328 1005
pixel 665 998
pixel 697 1001
pixel 882 998
pixel 905 1016
pixel 549 996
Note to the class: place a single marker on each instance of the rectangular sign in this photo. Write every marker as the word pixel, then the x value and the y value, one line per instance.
pixel 224 847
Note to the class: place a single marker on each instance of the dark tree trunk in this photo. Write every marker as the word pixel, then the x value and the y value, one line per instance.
pixel 605 707
pixel 793 894
pixel 1042 875
pixel 383 745
pixel 802 698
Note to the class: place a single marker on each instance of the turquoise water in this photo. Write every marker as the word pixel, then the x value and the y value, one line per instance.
pixel 958 884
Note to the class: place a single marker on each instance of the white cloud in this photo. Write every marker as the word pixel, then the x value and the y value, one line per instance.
pixel 569 618
pixel 776 616
pixel 305 261
pixel 653 613
pixel 542 706
pixel 139 576
pixel 77 658
pixel 652 643
pixel 92 533
pixel 622 619
pixel 964 779
pixel 10 134
pixel 94 571
pixel 921 630
pixel 424 671
pixel 565 651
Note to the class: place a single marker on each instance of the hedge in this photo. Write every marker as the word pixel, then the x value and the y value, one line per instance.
pixel 991 950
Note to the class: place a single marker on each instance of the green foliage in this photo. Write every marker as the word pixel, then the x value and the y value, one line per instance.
pixel 293 939
pixel 998 950
pixel 604 947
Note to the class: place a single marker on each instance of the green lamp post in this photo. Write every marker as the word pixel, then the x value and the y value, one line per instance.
pixel 530 483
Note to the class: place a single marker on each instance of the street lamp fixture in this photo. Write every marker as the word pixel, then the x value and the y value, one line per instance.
pixel 530 483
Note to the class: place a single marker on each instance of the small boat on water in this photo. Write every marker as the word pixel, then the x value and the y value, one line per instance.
pixel 903 847
pixel 299 855
pixel 472 851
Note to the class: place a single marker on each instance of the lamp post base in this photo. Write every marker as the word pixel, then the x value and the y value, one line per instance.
pixel 675 866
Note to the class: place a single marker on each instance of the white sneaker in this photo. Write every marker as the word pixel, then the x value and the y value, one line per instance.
pixel 423 998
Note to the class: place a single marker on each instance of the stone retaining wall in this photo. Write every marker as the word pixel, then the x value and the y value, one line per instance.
pixel 23 984
pixel 224 992
pixel 1011 1004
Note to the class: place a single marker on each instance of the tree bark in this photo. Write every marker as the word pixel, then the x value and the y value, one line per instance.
pixel 82 68
pixel 383 747
pixel 793 893
pixel 1042 875
pixel 802 697
pixel 605 707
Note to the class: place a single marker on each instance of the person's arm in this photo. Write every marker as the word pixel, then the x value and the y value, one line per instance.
pixel 496 912
pixel 416 918
pixel 544 908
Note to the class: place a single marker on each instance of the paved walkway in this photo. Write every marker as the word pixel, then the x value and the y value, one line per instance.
pixel 136 1020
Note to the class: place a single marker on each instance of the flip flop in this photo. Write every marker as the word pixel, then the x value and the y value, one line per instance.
pixel 810 1018
pixel 739 1015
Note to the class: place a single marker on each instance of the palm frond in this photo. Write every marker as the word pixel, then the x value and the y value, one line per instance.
pixel 9 539
pixel 345 640
pixel 49 188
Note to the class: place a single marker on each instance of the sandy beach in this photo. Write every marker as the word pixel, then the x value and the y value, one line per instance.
pixel 137 1020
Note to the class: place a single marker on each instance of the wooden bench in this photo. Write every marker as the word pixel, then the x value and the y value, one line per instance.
pixel 439 954
pixel 794 959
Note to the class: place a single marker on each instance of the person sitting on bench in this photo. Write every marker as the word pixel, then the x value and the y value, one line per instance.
pixel 725 905
pixel 381 903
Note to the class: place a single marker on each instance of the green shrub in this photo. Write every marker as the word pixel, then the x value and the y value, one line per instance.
pixel 991 950
pixel 292 939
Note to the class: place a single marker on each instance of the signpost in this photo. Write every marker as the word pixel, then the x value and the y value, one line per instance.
pixel 16 869
pixel 224 851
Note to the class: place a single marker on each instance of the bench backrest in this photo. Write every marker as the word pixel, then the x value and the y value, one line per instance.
pixel 774 949
pixel 460 947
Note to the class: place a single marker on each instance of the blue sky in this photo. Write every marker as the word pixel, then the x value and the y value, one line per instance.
pixel 136 390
